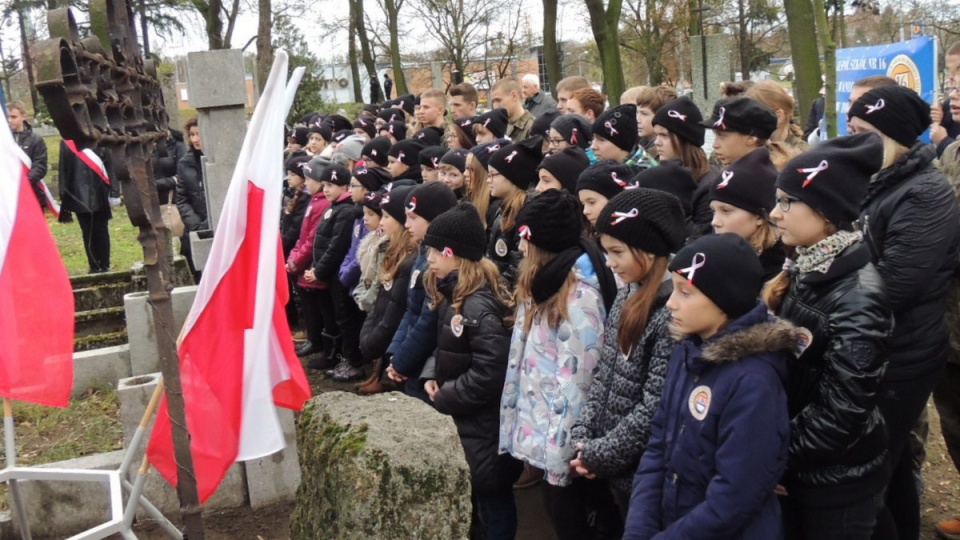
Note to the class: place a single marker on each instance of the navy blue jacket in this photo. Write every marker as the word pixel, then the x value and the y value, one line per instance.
pixel 719 440
pixel 416 337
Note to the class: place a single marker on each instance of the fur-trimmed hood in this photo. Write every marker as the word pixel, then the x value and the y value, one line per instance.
pixel 773 336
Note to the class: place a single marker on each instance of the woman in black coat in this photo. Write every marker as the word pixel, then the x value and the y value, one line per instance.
pixel 85 193
pixel 166 159
pixel 911 222
pixel 191 198
pixel 837 466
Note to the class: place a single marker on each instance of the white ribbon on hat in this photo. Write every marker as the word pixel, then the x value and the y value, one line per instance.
pixel 619 182
pixel 400 155
pixel 487 121
pixel 412 205
pixel 813 172
pixel 493 148
pixel 306 168
pixel 699 260
pixel 509 159
pixel 525 232
pixel 620 216
pixel 613 131
pixel 333 175
pixel 727 176
pixel 676 114
pixel 385 200
pixel 719 121
pixel 876 106
pixel 447 252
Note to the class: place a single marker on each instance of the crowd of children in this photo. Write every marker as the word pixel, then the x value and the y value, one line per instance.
pixel 674 345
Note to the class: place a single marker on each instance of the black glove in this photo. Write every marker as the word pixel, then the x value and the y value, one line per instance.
pixel 66 216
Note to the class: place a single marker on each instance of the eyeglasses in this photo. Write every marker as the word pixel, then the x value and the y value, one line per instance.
pixel 355 185
pixel 785 202
pixel 555 142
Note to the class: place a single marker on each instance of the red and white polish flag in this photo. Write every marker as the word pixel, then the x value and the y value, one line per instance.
pixel 36 299
pixel 237 361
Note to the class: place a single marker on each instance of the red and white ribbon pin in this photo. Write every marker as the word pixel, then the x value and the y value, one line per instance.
pixel 812 172
pixel 620 216
pixel 525 232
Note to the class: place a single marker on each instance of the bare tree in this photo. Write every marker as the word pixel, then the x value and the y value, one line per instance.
pixel 806 59
pixel 366 53
pixel 460 25
pixel 392 10
pixel 213 13
pixel 658 27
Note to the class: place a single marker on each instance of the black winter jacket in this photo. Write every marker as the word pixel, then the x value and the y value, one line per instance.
pixel 82 191
pixel 470 368
pixel 911 222
pixel 191 198
pixel 332 239
pixel 388 310
pixel 290 223
pixel 503 248
pixel 771 260
pixel 614 424
pixel 36 149
pixel 165 160
pixel 702 213
pixel 838 441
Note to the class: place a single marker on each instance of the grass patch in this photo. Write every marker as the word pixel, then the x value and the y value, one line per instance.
pixel 124 247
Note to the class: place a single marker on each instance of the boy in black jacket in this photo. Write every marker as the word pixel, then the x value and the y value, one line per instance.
pixel 330 247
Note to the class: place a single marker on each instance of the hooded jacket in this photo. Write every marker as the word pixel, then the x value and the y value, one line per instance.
pixel 614 425
pixel 470 364
pixel 416 337
pixel 191 198
pixel 333 237
pixel 549 376
pixel 911 221
pixel 387 313
pixel 301 256
pixel 838 442
pixel 719 440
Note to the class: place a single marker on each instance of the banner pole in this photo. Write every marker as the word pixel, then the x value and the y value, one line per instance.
pixel 11 455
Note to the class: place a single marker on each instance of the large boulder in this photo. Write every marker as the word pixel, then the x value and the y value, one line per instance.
pixel 385 466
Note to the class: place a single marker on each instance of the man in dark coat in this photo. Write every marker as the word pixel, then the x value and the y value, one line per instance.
pixel 387 86
pixel 32 144
pixel 375 89
pixel 85 192
pixel 166 158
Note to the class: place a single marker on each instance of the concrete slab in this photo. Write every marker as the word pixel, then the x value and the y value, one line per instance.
pixel 144 355
pixel 274 479
pixel 99 368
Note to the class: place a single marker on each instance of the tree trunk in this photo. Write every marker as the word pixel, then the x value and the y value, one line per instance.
pixel 144 28
pixel 231 23
pixel 829 65
pixel 399 80
pixel 352 53
pixel 365 51
pixel 806 59
pixel 605 25
pixel 210 10
pixel 264 41
pixel 27 59
pixel 743 40
pixel 551 52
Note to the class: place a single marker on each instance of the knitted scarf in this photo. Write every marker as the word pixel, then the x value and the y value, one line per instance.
pixel 819 257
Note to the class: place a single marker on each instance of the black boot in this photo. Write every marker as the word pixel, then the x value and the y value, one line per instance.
pixel 328 355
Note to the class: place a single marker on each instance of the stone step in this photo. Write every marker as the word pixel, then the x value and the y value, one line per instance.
pixel 97 341
pixel 101 296
pixel 99 321
pixel 87 281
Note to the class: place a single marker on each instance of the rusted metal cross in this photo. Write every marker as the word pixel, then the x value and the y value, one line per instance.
pixel 101 94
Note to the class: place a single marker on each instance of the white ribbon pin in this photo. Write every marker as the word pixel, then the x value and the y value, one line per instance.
pixel 333 176
pixel 876 106
pixel 698 261
pixel 609 125
pixel 620 216
pixel 727 176
pixel 400 155
pixel 676 114
pixel 509 159
pixel 719 121
pixel 813 172
pixel 447 252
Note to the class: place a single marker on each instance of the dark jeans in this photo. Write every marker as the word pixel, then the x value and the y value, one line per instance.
pixel 852 521
pixel 292 308
pixel 497 511
pixel 96 239
pixel 946 396
pixel 349 318
pixel 584 509
pixel 901 402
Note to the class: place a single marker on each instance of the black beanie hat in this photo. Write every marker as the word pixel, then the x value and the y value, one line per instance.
pixel 406 102
pixel 647 219
pixel 295 164
pixel 430 136
pixel 340 136
pixel 336 174
pixel 407 152
pixel 619 126
pixel 372 201
pixel 682 117
pixel 495 121
pixel 466 126
pixel 371 109
pixel 566 166
pixel 832 177
pixel 300 135
pixel 394 202
pixel 315 167
pixel 725 268
pixel 372 178
pixel 391 115
pixel 541 125
pixel 748 183
pixel 396 128
pixel 897 111
pixel 672 177
pixel 483 151
pixel 606 177
pixel 308 118
pixel 518 162
pixel 574 129
pixel 430 156
pixel 367 125
pixel 456 158
pixel 430 200
pixel 338 122
pixel 458 232
pixel 551 221
pixel 743 115
pixel 377 150
pixel 323 129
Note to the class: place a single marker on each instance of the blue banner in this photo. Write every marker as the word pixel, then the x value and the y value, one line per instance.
pixel 912 63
